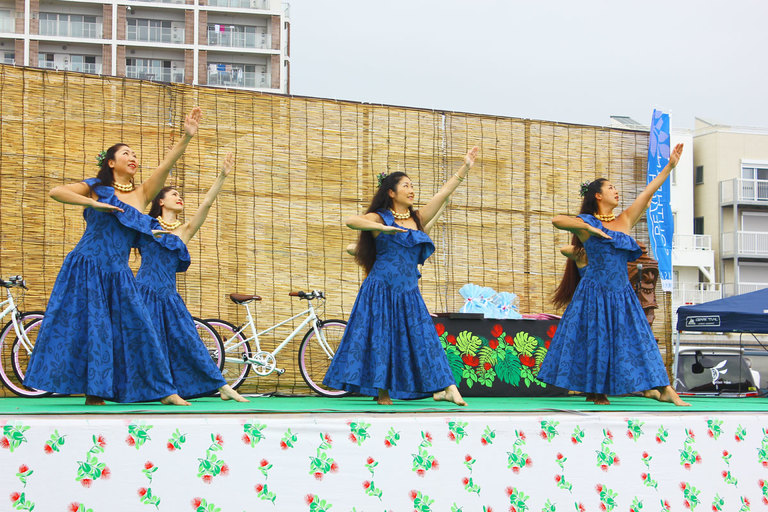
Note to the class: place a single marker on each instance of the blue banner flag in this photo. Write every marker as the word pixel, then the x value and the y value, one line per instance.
pixel 660 223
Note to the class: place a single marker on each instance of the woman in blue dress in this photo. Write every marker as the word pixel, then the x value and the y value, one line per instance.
pixel 390 348
pixel 603 344
pixel 97 337
pixel 193 371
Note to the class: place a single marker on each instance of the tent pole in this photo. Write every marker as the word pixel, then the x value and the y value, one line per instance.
pixel 676 349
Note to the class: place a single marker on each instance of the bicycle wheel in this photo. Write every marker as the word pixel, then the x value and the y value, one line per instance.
pixel 212 341
pixel 15 355
pixel 314 360
pixel 236 349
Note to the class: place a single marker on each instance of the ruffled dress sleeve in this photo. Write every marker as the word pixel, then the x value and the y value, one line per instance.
pixel 130 217
pixel 172 243
pixel 619 240
pixel 411 238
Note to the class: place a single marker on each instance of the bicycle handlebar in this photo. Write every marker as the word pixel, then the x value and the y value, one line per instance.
pixel 314 294
pixel 14 281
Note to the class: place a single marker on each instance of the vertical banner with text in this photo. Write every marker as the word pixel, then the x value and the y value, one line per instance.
pixel 660 223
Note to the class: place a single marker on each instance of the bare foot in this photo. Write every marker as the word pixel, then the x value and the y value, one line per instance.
pixel 591 397
pixel 668 394
pixel 227 393
pixel 384 398
pixel 93 400
pixel 653 394
pixel 601 399
pixel 173 399
pixel 449 394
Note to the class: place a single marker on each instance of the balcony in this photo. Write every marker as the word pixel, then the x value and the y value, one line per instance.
pixel 238 78
pixel 731 289
pixel 240 4
pixel 685 294
pixel 232 39
pixel 80 67
pixel 152 31
pixel 747 191
pixel 81 29
pixel 155 74
pixel 165 1
pixel 692 242
pixel 748 244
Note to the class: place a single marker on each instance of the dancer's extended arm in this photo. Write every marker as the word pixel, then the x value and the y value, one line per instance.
pixel 371 222
pixel 80 194
pixel 197 220
pixel 429 210
pixel 578 227
pixel 151 187
pixel 635 210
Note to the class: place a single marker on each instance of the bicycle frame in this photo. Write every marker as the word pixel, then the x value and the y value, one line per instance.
pixel 250 322
pixel 21 334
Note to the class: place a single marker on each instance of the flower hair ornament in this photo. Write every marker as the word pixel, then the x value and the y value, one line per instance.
pixel 381 177
pixel 100 158
pixel 584 188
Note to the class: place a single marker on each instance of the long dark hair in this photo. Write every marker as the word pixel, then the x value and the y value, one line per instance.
pixel 105 175
pixel 366 245
pixel 564 291
pixel 155 210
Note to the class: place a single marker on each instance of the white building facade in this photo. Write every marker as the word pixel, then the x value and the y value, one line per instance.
pixel 223 43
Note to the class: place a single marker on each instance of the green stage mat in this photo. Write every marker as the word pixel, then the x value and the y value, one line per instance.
pixel 356 405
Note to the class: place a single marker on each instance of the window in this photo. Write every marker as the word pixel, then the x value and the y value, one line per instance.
pixel 69 25
pixel 154 69
pixel 237 75
pixel 698 225
pixel 238 36
pixel 699 174
pixel 7 23
pixel 9 57
pixel 69 62
pixel 149 30
pixel 754 182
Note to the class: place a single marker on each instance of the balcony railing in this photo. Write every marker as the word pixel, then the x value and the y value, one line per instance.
pixel 696 293
pixel 692 242
pixel 166 1
pixel 237 39
pixel 86 30
pixel 730 289
pixel 744 190
pixel 80 67
pixel 744 243
pixel 240 4
pixel 7 25
pixel 237 78
pixel 156 74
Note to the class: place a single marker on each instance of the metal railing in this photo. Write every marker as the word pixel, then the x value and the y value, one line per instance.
pixel 80 67
pixel 240 4
pixel 692 242
pixel 696 293
pixel 744 243
pixel 237 78
pixel 156 74
pixel 70 29
pixel 7 25
pixel 730 289
pixel 238 39
pixel 155 34
pixel 744 190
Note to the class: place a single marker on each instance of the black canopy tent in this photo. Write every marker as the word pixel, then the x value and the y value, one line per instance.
pixel 745 313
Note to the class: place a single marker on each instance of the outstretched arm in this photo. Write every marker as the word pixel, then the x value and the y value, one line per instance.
pixel 635 210
pixel 429 210
pixel 202 212
pixel 156 180
pixel 578 227
pixel 371 222
pixel 80 194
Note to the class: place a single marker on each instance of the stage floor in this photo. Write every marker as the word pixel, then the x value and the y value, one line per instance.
pixel 357 405
pixel 351 455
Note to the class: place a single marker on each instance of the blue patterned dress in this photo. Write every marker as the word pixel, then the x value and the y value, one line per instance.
pixel 97 337
pixel 603 342
pixel 194 372
pixel 390 341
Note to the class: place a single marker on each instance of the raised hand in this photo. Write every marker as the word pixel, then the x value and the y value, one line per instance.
pixel 675 155
pixel 229 164
pixel 469 159
pixel 104 207
pixel 192 121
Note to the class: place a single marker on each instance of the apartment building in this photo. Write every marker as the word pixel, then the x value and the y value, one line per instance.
pixel 222 43
pixel 731 201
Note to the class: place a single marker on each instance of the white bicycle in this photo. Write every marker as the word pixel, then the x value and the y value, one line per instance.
pixel 17 339
pixel 315 352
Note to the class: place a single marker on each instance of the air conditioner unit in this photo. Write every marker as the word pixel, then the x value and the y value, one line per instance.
pixel 177 35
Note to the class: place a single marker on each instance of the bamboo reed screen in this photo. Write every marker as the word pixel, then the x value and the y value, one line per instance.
pixel 302 165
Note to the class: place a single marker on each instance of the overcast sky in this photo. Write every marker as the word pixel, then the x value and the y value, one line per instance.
pixel 575 61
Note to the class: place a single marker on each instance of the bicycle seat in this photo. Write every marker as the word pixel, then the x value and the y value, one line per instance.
pixel 242 298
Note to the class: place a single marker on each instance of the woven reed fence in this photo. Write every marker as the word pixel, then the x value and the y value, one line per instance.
pixel 302 165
